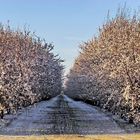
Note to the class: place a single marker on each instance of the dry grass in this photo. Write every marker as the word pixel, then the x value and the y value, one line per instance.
pixel 74 137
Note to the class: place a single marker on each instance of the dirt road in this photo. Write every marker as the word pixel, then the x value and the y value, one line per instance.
pixel 61 115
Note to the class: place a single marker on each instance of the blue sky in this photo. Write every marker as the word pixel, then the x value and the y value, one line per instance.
pixel 65 23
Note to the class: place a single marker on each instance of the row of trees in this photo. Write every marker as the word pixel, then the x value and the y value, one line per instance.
pixel 107 70
pixel 29 71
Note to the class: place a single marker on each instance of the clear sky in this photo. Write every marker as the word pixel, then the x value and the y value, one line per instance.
pixel 65 23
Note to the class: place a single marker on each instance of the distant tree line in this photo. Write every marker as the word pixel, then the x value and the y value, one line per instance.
pixel 29 71
pixel 107 70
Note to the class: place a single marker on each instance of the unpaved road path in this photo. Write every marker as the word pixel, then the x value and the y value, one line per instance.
pixel 61 115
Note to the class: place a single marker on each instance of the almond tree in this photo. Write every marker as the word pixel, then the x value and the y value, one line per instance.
pixel 110 64
pixel 28 70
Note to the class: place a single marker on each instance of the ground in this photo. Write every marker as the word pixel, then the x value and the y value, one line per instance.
pixel 62 115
